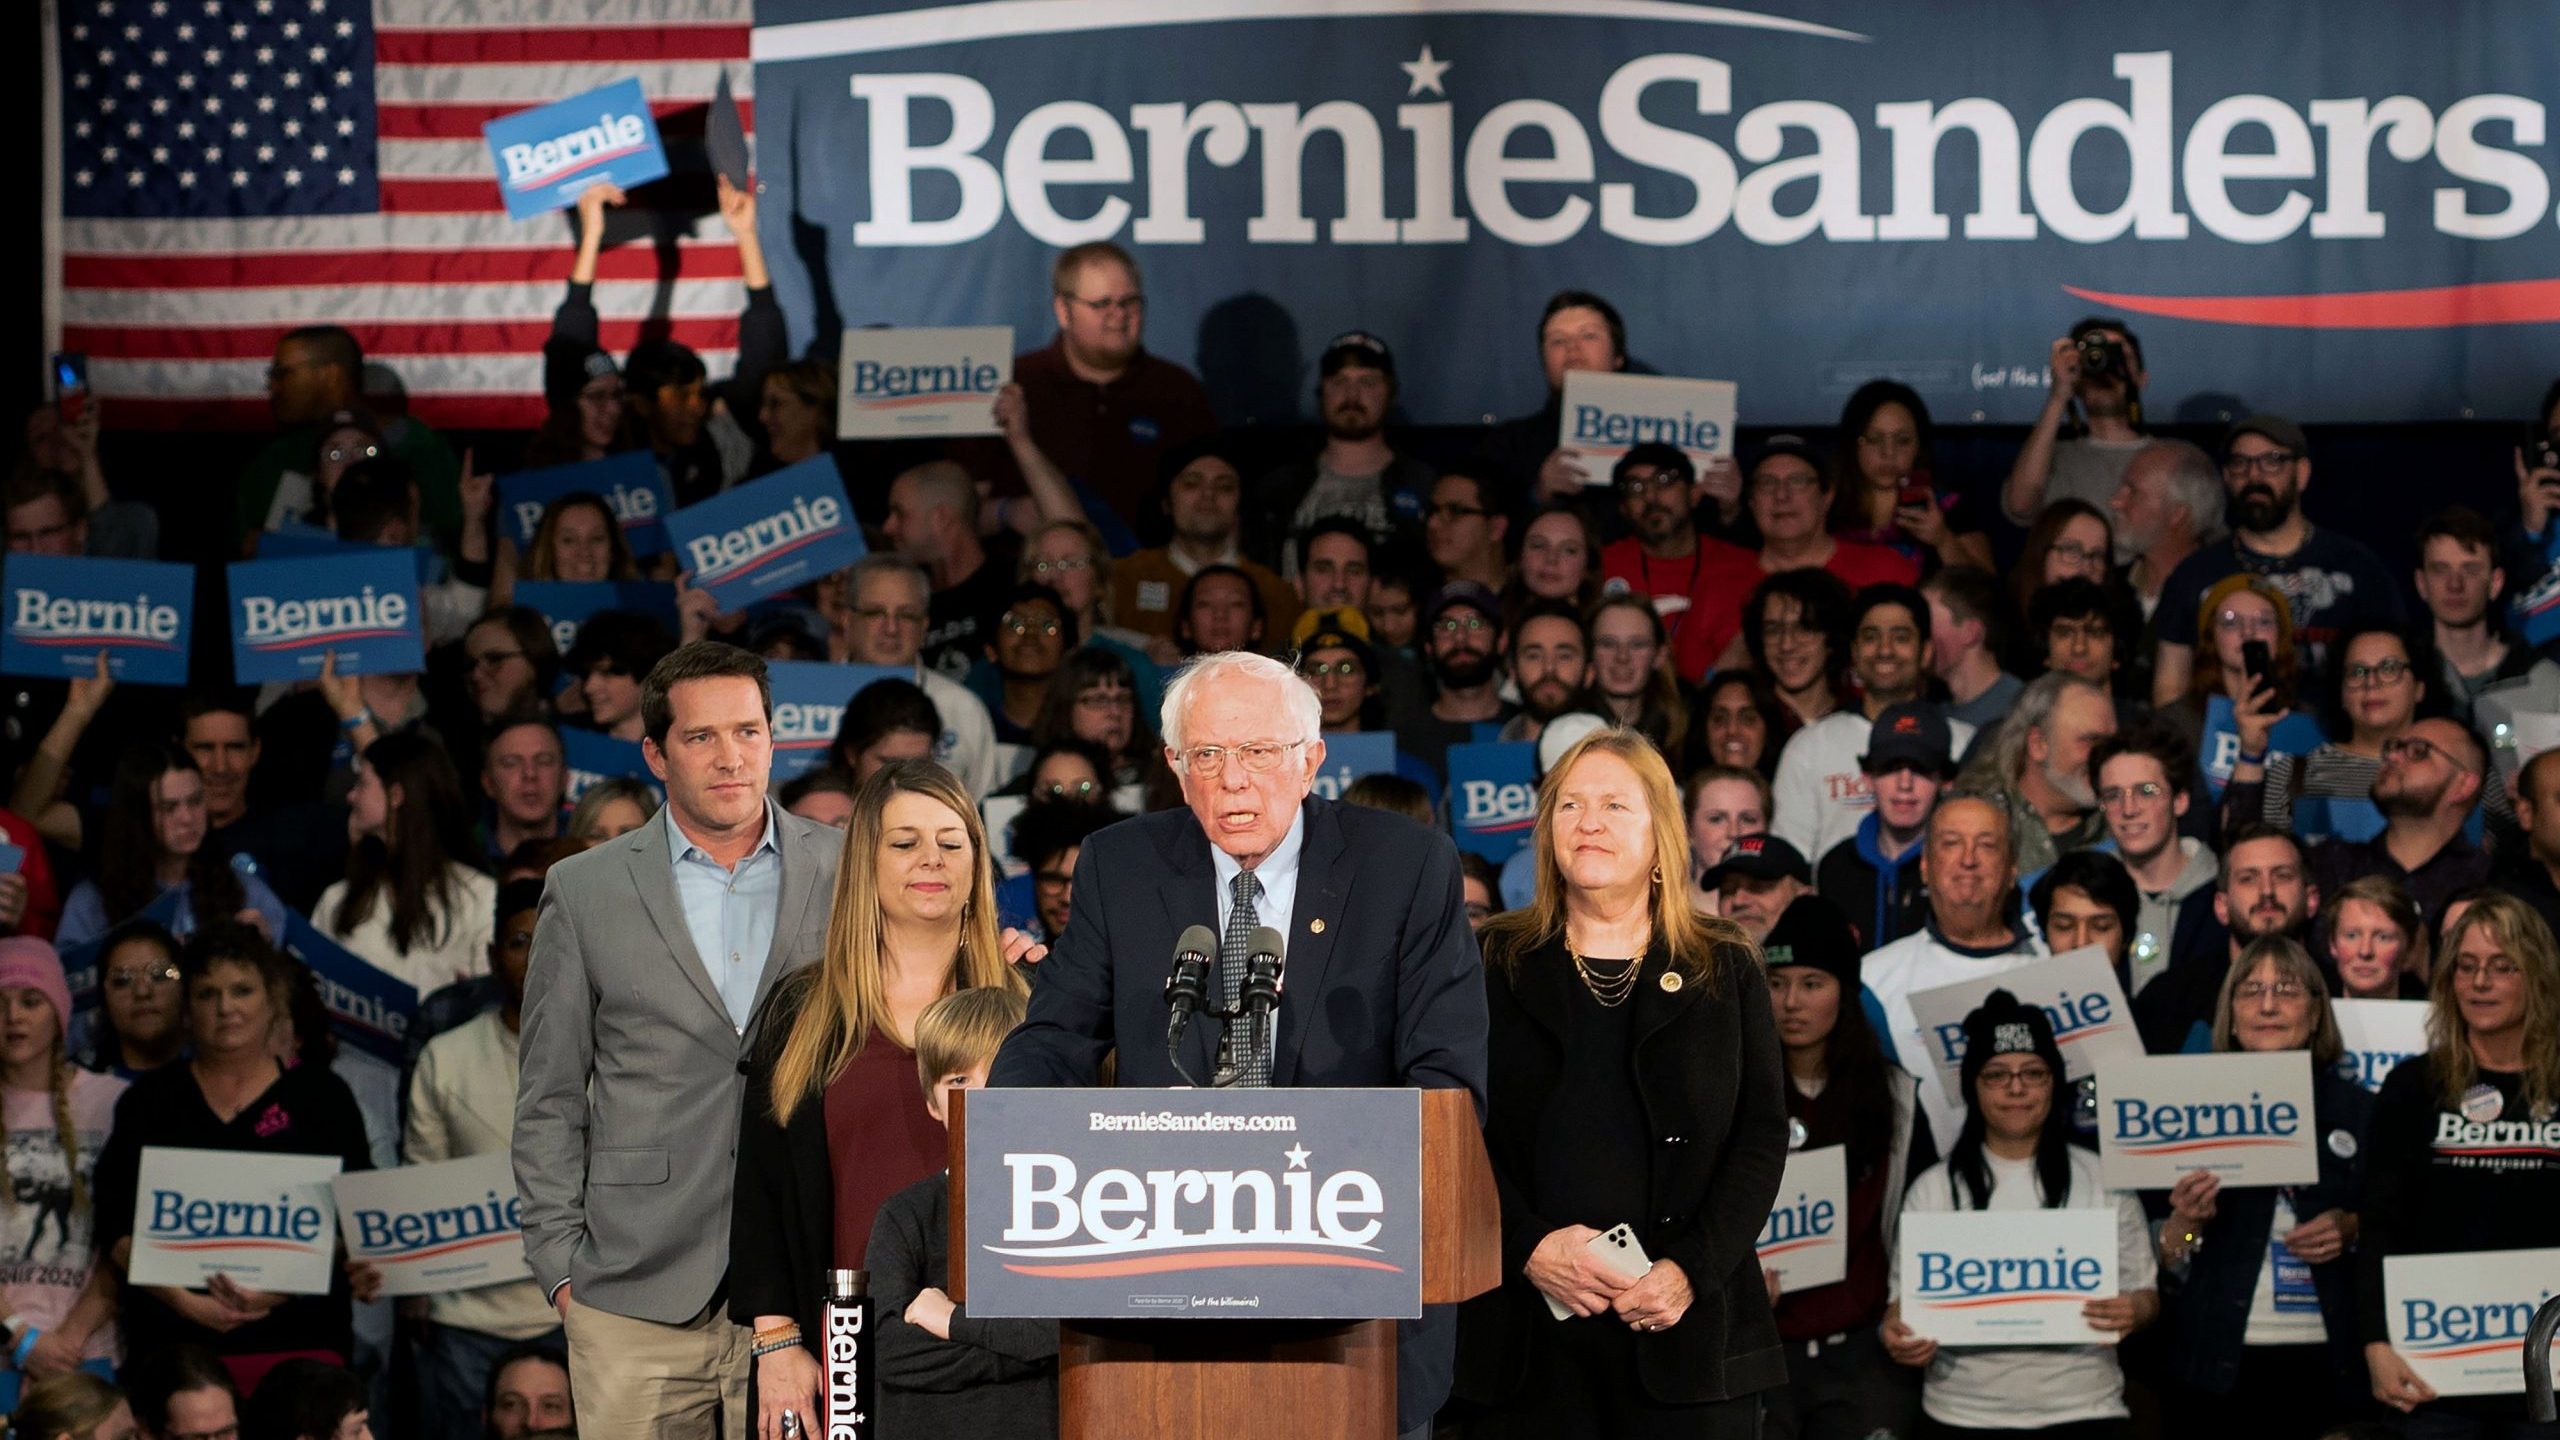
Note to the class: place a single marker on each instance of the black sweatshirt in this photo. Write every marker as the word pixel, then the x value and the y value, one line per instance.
pixel 992 1380
pixel 2437 1182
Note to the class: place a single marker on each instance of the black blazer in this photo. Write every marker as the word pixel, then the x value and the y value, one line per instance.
pixel 782 1223
pixel 1713 1085
pixel 1383 984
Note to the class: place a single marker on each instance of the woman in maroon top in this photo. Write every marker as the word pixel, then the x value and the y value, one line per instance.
pixel 834 1122
pixel 1841 1091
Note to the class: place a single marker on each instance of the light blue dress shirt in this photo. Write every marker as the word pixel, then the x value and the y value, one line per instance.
pixel 730 912
pixel 1278 876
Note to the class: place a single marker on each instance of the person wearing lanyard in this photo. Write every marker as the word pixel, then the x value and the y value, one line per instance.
pixel 1664 559
pixel 1841 1091
pixel 2261 1337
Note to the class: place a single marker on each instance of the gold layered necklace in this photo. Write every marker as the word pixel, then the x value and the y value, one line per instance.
pixel 1611 990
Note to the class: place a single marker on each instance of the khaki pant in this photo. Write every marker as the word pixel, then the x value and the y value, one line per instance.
pixel 640 1380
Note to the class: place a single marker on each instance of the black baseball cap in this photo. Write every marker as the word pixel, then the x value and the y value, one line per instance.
pixel 1760 857
pixel 2274 427
pixel 1356 347
pixel 1912 733
pixel 1786 444
pixel 1469 593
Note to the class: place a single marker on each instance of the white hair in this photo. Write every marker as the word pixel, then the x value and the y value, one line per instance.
pixel 1298 697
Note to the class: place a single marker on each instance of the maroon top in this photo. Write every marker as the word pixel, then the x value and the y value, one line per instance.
pixel 880 1139
pixel 1858 1299
pixel 1111 437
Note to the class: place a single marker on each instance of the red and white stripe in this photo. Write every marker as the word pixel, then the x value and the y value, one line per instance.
pixel 180 317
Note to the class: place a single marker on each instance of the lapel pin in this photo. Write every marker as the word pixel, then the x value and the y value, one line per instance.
pixel 1316 926
pixel 1670 982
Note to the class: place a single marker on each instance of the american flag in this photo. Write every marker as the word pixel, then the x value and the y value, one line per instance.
pixel 229 169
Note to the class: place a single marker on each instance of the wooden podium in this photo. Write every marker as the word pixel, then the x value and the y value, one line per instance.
pixel 1201 1379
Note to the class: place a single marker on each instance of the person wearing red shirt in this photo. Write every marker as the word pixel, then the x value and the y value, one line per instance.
pixel 1789 494
pixel 1665 559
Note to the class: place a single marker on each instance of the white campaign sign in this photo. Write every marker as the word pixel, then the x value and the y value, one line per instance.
pixel 433 1228
pixel 2246 1118
pixel 1806 1238
pixel 2077 990
pixel 2007 1277
pixel 922 381
pixel 1607 413
pixel 2379 1035
pixel 261 1219
pixel 2459 1320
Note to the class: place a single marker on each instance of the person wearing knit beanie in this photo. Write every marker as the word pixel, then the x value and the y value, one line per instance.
pixel 27 963
pixel 2001 1025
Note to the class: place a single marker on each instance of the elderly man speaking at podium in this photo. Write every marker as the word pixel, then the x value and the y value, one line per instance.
pixel 1381 979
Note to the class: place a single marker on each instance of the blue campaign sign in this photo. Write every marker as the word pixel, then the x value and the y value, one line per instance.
pixel 1493 796
pixel 1348 755
pixel 808 707
pixel 593 757
pixel 367 1008
pixel 566 604
pixel 286 615
pixel 545 156
pixel 768 535
pixel 2364 232
pixel 630 484
pixel 65 610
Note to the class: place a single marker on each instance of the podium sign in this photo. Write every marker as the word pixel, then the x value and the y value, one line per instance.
pixel 1198 1204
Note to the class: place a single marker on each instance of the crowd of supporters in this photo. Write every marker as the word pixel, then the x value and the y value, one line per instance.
pixel 1926 726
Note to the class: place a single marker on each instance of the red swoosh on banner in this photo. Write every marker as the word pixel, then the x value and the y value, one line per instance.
pixel 2501 302
pixel 1196 1260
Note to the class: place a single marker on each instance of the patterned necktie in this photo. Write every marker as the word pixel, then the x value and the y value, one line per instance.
pixel 1240 1061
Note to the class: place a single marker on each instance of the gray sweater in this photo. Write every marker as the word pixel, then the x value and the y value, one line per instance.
pixel 992 1380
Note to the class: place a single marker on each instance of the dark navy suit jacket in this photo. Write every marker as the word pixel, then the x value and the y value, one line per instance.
pixel 1383 984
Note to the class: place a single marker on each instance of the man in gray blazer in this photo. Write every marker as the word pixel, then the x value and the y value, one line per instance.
pixel 651 957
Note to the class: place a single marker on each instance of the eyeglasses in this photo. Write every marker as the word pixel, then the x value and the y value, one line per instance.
pixel 149 977
pixel 1061 790
pixel 1123 304
pixel 901 618
pixel 1259 756
pixel 1659 482
pixel 2498 966
pixel 2146 791
pixel 1066 566
pixel 349 454
pixel 2413 749
pixel 1021 627
pixel 1453 624
pixel 2380 672
pixel 495 659
pixel 2249 992
pixel 1319 669
pixel 2024 1077
pixel 1054 880
pixel 2266 463
pixel 2072 552
pixel 1454 512
pixel 2232 622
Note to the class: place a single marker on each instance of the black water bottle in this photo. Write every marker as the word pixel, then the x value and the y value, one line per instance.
pixel 845 1355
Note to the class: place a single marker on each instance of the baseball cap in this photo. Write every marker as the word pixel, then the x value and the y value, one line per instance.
pixel 1785 444
pixel 1356 347
pixel 1470 593
pixel 1563 733
pixel 2274 427
pixel 1911 733
pixel 1336 630
pixel 1813 932
pixel 1760 857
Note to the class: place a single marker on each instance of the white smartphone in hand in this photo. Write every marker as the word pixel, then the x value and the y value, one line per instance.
pixel 1617 1251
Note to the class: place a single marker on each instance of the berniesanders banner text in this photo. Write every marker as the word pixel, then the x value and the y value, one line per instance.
pixel 1809 194
pixel 431 1229
pixel 1806 1238
pixel 567 605
pixel 2078 991
pixel 2247 1118
pixel 546 156
pixel 2459 1320
pixel 289 615
pixel 629 484
pixel 809 698
pixel 67 610
pixel 768 535
pixel 2007 1277
pixel 262 1219
pixel 894 383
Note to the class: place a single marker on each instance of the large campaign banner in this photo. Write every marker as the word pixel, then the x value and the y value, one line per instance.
pixel 1809 193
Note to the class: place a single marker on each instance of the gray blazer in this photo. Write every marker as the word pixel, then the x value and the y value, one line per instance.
pixel 626 1133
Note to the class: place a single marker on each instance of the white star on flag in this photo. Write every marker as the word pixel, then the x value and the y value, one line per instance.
pixel 1426 72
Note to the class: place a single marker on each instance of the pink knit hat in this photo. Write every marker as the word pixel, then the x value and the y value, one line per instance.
pixel 27 963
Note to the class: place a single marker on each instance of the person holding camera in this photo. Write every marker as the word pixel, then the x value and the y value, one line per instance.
pixel 2097 369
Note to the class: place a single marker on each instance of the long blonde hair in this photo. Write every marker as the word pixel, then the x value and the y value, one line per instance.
pixel 1691 939
pixel 2523 938
pixel 847 991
